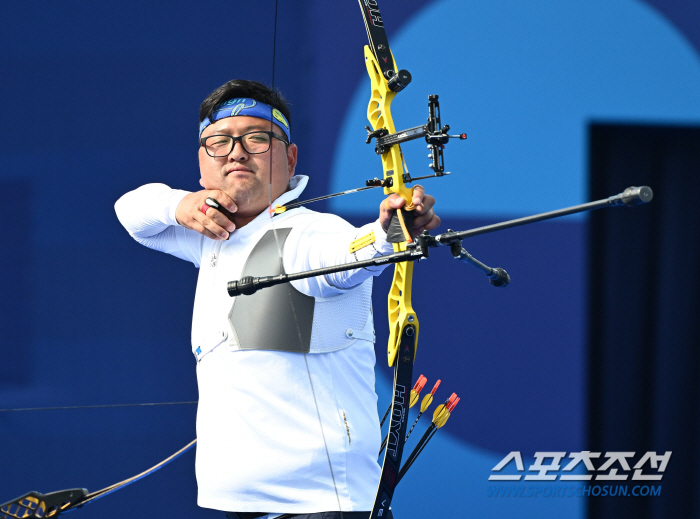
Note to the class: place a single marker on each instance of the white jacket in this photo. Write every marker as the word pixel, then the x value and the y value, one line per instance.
pixel 260 444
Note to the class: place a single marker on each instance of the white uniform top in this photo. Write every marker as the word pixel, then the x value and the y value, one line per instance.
pixel 260 445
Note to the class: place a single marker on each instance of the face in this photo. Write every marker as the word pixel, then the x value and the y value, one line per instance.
pixel 246 177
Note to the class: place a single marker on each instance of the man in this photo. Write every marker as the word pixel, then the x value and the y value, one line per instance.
pixel 287 420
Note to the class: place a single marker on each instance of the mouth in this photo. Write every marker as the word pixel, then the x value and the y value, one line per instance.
pixel 238 171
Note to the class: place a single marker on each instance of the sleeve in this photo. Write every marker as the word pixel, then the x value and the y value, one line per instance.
pixel 148 215
pixel 326 243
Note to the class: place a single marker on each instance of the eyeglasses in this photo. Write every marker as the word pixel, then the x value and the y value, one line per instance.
pixel 253 143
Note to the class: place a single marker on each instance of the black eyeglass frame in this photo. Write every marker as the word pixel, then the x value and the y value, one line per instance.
pixel 240 139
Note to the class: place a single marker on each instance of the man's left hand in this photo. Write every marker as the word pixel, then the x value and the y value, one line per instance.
pixel 425 218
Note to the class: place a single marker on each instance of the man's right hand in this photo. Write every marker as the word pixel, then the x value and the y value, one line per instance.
pixel 214 224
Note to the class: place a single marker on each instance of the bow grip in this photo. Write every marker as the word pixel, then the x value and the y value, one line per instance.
pixel 401 227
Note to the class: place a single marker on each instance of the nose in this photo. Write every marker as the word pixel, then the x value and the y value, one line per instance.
pixel 238 152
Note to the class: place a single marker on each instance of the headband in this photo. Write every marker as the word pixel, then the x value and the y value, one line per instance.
pixel 249 107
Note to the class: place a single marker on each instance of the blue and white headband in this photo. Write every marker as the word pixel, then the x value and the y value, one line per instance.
pixel 249 107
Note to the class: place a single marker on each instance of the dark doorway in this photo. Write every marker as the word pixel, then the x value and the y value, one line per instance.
pixel 644 362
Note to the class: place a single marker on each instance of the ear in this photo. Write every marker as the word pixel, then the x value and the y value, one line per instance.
pixel 291 159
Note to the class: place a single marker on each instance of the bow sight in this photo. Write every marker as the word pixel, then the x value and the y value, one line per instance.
pixel 435 135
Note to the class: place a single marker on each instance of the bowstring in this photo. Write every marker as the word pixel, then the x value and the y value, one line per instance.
pixel 117 486
pixel 94 406
pixel 281 265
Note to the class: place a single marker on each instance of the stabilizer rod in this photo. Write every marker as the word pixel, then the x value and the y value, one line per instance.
pixel 630 197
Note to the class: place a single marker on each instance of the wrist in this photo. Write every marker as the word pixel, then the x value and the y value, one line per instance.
pixel 176 197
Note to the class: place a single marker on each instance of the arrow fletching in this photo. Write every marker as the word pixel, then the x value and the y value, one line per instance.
pixel 442 412
pixel 440 415
pixel 428 399
pixel 417 388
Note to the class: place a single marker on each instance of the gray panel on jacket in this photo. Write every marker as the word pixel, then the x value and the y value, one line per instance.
pixel 277 318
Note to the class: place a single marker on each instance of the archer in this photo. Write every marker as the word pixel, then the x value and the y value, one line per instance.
pixel 286 422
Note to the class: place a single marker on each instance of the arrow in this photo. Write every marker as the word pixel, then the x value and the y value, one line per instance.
pixel 427 400
pixel 440 417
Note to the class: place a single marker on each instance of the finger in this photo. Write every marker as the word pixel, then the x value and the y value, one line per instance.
pixel 220 219
pixel 201 228
pixel 426 206
pixel 418 195
pixel 390 204
pixel 421 220
pixel 388 207
pixel 395 201
pixel 207 223
pixel 433 223
pixel 223 199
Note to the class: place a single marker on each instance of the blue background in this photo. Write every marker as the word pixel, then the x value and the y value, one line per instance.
pixel 90 317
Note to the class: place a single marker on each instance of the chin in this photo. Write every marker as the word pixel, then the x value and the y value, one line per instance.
pixel 247 193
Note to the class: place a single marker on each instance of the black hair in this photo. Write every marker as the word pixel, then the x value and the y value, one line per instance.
pixel 244 88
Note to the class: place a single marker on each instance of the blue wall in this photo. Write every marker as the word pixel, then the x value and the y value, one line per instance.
pixel 90 317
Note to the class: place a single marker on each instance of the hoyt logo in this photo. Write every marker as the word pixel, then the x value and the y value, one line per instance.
pixel 373 10
pixel 397 416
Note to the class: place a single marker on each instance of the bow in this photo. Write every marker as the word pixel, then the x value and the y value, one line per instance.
pixel 385 83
